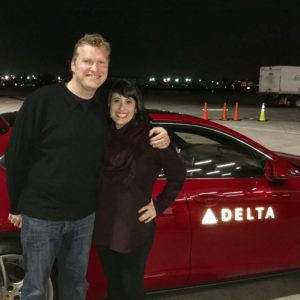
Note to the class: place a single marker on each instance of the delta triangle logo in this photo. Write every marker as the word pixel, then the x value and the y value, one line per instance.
pixel 238 214
pixel 209 218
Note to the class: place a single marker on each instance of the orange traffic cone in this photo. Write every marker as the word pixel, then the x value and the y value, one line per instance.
pixel 224 114
pixel 236 112
pixel 205 114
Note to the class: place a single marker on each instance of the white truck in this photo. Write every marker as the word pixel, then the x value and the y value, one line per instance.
pixel 279 85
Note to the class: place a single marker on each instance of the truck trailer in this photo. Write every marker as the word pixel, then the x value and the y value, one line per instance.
pixel 279 85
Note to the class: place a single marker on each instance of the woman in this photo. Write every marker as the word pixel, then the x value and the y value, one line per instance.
pixel 124 226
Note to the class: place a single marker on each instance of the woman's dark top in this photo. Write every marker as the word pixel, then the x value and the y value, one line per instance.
pixel 131 167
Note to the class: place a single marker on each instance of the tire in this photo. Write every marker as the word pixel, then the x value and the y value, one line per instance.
pixel 12 272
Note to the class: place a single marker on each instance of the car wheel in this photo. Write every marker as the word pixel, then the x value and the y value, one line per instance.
pixel 12 272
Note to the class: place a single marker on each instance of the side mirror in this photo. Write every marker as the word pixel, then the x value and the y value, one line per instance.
pixel 276 171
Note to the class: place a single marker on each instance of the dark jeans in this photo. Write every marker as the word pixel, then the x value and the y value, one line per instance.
pixel 125 271
pixel 44 241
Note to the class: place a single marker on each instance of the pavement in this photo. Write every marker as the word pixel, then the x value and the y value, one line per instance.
pixel 9 104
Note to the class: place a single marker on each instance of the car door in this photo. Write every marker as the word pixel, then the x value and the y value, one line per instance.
pixel 168 264
pixel 241 223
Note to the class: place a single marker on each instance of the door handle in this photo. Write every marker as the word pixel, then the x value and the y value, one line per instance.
pixel 206 199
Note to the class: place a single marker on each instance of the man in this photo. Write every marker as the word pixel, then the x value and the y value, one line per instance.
pixel 53 162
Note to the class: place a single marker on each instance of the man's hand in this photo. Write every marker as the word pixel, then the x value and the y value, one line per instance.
pixel 149 212
pixel 16 220
pixel 160 138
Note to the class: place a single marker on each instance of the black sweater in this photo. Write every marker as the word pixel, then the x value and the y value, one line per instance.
pixel 55 154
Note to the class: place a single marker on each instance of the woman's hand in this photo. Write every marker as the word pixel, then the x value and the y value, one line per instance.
pixel 16 220
pixel 148 213
pixel 160 138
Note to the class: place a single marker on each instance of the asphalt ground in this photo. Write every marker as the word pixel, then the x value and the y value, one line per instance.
pixel 280 132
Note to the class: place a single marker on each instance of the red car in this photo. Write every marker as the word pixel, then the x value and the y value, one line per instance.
pixel 237 216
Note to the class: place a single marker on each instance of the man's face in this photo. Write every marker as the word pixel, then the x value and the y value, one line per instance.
pixel 90 67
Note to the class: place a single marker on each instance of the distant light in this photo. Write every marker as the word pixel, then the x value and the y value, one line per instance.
pixel 169 79
pixel 152 79
pixel 28 77
pixel 6 77
pixel 176 79
pixel 187 79
pixel 248 88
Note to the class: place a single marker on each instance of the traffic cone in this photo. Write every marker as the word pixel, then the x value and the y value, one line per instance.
pixel 262 113
pixel 224 114
pixel 205 114
pixel 236 112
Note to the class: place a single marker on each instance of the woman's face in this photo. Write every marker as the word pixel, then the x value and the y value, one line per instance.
pixel 122 109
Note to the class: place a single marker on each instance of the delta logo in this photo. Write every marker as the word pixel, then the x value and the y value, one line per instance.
pixel 238 214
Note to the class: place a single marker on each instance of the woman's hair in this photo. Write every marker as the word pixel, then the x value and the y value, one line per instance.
pixel 128 89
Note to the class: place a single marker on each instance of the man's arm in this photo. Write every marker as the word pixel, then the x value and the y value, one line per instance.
pixel 159 138
pixel 17 154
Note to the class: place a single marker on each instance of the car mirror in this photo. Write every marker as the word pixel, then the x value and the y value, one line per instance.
pixel 276 171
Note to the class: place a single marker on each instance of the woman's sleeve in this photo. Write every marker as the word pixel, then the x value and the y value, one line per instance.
pixel 175 172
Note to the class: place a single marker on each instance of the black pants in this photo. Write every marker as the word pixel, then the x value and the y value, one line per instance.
pixel 125 271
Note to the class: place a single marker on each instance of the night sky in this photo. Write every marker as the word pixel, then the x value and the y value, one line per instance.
pixel 204 39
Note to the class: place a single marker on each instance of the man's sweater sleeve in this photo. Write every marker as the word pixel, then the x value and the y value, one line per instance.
pixel 19 151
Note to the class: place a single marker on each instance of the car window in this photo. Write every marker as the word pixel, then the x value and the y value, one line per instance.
pixel 208 153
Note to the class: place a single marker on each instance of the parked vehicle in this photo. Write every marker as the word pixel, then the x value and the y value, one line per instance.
pixel 280 85
pixel 237 216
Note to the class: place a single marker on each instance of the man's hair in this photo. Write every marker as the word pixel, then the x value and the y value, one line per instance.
pixel 95 40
